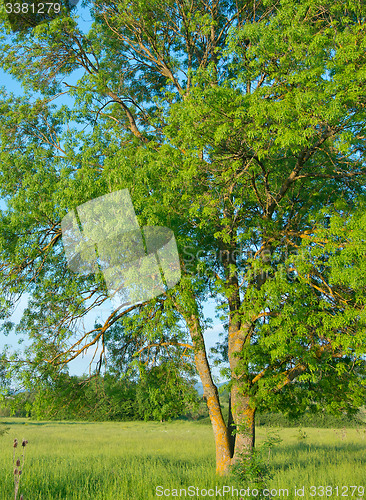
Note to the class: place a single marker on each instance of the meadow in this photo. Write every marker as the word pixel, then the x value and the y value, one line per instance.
pixel 129 460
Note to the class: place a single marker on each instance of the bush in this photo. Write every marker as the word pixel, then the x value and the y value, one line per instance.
pixel 255 468
pixel 4 411
pixel 3 430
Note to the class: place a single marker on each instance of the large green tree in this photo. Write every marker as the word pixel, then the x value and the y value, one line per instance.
pixel 240 126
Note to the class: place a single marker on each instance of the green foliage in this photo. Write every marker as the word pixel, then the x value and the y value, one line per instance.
pixel 71 398
pixel 3 430
pixel 255 468
pixel 252 469
pixel 108 397
pixel 302 435
pixel 177 397
pixel 19 404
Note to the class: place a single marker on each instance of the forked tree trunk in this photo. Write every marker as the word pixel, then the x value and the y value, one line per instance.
pixel 221 433
pixel 229 447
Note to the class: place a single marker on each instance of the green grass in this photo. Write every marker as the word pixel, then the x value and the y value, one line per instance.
pixel 127 460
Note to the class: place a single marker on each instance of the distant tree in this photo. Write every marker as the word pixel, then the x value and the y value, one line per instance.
pixel 108 397
pixel 69 398
pixel 163 393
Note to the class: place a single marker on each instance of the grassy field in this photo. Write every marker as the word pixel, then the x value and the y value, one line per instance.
pixel 128 460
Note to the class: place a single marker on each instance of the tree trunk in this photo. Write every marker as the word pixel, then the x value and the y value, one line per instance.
pixel 242 408
pixel 222 439
pixel 244 417
pixel 221 434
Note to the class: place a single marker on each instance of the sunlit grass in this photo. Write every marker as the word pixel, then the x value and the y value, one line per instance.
pixel 128 460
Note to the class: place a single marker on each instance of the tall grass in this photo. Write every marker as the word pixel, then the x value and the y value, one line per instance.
pixel 128 460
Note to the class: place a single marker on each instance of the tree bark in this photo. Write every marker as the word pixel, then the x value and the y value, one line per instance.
pixel 244 416
pixel 222 440
pixel 242 408
pixel 239 334
pixel 210 392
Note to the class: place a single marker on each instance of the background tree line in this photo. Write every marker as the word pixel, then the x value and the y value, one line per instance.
pixel 108 397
